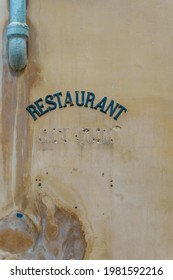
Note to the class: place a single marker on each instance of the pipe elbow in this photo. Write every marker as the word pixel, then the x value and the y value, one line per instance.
pixel 17 53
pixel 17 34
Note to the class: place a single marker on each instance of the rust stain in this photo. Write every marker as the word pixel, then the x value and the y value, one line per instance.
pixel 67 240
pixel 58 235
pixel 9 100
pixel 24 129
pixel 52 235
pixel 17 233
pixel 51 230
pixel 14 241
pixel 17 133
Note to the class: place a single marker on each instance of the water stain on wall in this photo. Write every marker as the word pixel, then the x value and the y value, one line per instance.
pixel 55 233
pixel 17 133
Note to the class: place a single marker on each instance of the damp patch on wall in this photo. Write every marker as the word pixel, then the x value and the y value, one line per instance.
pixel 58 235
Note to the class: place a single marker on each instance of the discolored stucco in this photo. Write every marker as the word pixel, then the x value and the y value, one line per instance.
pixel 116 196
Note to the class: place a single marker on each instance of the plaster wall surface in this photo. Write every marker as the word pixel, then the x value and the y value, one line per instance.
pixel 110 186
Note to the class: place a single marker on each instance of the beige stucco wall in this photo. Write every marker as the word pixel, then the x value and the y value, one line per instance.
pixel 122 49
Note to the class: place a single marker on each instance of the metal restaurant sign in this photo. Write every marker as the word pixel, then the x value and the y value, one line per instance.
pixel 86 99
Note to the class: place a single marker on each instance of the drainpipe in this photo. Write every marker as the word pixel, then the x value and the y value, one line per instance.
pixel 17 34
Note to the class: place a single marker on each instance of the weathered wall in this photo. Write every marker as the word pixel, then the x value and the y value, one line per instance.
pixel 104 199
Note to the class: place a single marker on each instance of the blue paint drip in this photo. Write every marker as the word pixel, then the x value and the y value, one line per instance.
pixel 19 215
